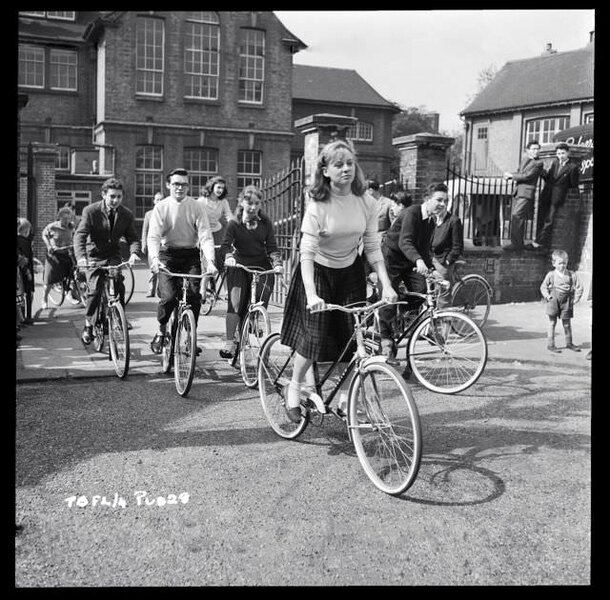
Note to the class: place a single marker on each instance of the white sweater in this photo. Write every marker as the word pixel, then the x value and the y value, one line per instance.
pixel 332 230
pixel 182 224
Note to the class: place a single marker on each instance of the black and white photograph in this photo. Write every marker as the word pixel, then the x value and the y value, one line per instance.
pixel 304 298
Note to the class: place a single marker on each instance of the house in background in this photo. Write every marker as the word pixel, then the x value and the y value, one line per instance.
pixel 344 92
pixel 528 99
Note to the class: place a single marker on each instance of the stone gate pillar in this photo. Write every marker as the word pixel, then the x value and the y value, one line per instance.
pixel 423 160
pixel 318 130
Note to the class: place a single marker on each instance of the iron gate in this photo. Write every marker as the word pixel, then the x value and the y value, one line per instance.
pixel 483 204
pixel 283 202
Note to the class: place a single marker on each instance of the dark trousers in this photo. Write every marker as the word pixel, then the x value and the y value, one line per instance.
pixel 238 284
pixel 95 282
pixel 413 281
pixel 522 209
pixel 545 229
pixel 169 289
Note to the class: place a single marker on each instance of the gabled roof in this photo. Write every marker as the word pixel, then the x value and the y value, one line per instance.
pixel 326 84
pixel 549 79
pixel 55 30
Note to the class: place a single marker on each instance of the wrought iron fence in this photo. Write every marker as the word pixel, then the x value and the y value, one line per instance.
pixel 283 202
pixel 483 204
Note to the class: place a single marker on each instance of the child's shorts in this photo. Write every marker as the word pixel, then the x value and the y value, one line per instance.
pixel 560 305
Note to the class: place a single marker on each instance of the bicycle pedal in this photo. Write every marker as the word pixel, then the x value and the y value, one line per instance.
pixel 315 400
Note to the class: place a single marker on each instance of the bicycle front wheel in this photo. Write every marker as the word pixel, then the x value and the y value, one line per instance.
pixel 385 428
pixel 118 339
pixel 129 282
pixel 254 331
pixel 275 367
pixel 100 325
pixel 185 348
pixel 472 296
pixel 447 352
pixel 57 293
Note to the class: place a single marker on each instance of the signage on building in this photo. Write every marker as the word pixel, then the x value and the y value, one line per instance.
pixel 581 136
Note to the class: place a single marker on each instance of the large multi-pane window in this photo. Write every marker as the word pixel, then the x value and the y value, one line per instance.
pixel 251 65
pixel 63 66
pixel 62 15
pixel 543 130
pixel 150 38
pixel 74 199
pixel 31 66
pixel 201 55
pixel 249 168
pixel 149 177
pixel 360 131
pixel 202 164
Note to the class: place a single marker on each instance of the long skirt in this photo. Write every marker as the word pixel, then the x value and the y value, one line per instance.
pixel 324 335
pixel 56 267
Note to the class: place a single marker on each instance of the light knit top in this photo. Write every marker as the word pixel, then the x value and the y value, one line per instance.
pixel 215 209
pixel 332 230
pixel 565 283
pixel 182 224
pixel 57 236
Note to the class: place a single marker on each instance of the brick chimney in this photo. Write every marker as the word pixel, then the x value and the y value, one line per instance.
pixel 549 49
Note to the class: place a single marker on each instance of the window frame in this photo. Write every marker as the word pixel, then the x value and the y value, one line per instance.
pixel 251 63
pixel 544 134
pixel 41 50
pixel 356 131
pixel 142 71
pixel 206 79
pixel 199 177
pixel 148 179
pixel 246 177
pixel 65 52
pixel 60 155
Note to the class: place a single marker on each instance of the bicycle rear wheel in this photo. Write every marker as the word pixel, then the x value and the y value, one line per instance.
pixel 185 347
pixel 385 429
pixel 118 339
pixel 57 293
pixel 167 353
pixel 254 331
pixel 274 374
pixel 447 352
pixel 472 296
pixel 129 282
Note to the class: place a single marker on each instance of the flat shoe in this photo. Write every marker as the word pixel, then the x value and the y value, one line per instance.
pixel 226 353
pixel 87 335
pixel 157 343
pixel 294 414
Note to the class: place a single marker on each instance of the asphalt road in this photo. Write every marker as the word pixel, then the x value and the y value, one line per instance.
pixel 503 496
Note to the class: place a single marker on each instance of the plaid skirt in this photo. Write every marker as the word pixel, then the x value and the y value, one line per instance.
pixel 323 336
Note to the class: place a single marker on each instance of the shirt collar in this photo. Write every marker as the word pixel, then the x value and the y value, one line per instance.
pixel 424 211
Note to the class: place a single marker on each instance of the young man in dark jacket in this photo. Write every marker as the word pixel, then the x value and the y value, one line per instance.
pixel 97 243
pixel 407 252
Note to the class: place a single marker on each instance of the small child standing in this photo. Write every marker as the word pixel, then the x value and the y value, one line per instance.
pixel 561 289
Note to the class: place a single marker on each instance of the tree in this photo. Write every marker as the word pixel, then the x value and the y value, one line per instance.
pixel 483 79
pixel 414 119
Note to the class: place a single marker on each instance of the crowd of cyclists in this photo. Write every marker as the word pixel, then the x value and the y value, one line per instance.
pixel 348 231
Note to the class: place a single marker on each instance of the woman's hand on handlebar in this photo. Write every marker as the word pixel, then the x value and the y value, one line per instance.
pixel 133 259
pixel 420 267
pixel 314 302
pixel 230 261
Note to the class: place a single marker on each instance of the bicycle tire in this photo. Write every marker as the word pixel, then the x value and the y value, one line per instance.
pixel 98 328
pixel 385 427
pixel 274 374
pixel 167 353
pixel 57 293
pixel 209 298
pixel 185 352
pixel 129 282
pixel 447 352
pixel 254 331
pixel 472 296
pixel 118 339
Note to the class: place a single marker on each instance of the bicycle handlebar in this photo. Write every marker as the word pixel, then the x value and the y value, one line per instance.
pixel 187 275
pixel 256 270
pixel 105 267
pixel 354 309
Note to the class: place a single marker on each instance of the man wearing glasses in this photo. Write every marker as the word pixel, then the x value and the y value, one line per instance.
pixel 179 226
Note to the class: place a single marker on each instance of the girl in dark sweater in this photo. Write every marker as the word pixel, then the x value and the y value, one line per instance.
pixel 249 240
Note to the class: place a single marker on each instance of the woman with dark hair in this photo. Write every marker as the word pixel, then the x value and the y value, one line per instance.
pixel 214 198
pixel 57 237
pixel 338 216
pixel 249 240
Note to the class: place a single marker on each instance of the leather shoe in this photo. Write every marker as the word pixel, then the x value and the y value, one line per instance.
pixel 294 414
pixel 553 349
pixel 572 347
pixel 87 335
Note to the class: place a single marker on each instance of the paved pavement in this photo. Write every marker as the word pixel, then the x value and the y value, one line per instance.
pixel 51 348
